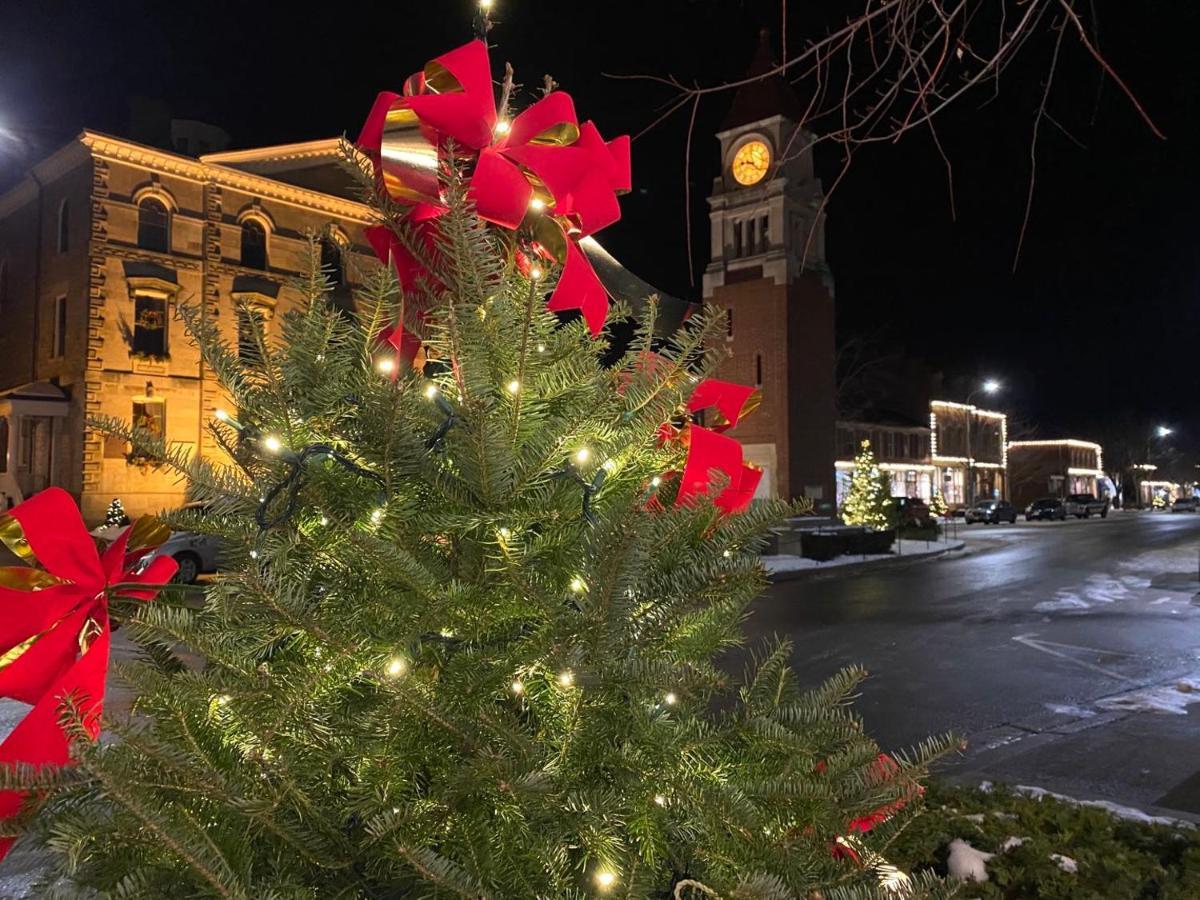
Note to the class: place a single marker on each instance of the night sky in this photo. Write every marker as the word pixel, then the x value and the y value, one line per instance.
pixel 1101 318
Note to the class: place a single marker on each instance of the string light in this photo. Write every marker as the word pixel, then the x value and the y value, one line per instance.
pixel 431 391
pixel 517 687
pixel 447 633
pixel 376 516
pixel 486 5
pixel 671 699
pixel 505 533
pixel 222 699
pixel 660 799
pixel 536 273
pixel 502 127
pixel 272 444
pixel 254 554
pixel 610 465
pixel 397 666
pixel 582 455
pixel 566 678
pixel 386 366
pixel 223 416
pixel 324 520
pixel 655 481
pixel 578 585
pixel 727 554
pixel 537 204
pixel 541 348
pixel 605 879
pixel 513 387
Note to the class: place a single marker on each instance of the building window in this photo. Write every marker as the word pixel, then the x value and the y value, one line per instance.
pixel 149 326
pixel 331 261
pixel 64 227
pixel 3 445
pixel 254 245
pixel 149 415
pixel 764 236
pixel 60 327
pixel 154 226
pixel 758 369
pixel 729 323
pixel 251 323
pixel 750 243
pixel 737 239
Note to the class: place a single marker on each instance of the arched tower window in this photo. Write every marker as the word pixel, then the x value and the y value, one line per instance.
pixel 64 227
pixel 154 225
pixel 254 244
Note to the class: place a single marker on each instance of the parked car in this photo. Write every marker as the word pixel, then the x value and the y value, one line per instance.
pixel 1052 508
pixel 195 553
pixel 992 512
pixel 912 511
pixel 1186 504
pixel 1084 506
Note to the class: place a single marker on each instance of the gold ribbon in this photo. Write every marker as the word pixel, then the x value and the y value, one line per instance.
pixel 12 535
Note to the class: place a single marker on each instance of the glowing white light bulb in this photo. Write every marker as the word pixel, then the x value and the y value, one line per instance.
pixel 513 387
pixel 605 879
pixel 447 632
pixel 660 799
pixel 578 585
pixel 386 366
pixel 486 5
pixel 582 455
pixel 502 127
pixel 727 554
pixel 517 687
pixel 272 444
pixel 397 666
pixel 537 204
pixel 541 348
pixel 505 533
pixel 536 273
pixel 671 699
pixel 431 391
pixel 610 465
pixel 566 678
pixel 222 416
pixel 254 554
pixel 655 481
pixel 324 520
pixel 376 516
pixel 223 699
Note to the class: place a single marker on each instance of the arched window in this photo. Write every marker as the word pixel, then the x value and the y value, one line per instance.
pixel 154 225
pixel 254 244
pixel 331 261
pixel 64 227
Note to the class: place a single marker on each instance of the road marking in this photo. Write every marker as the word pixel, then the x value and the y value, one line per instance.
pixel 1029 640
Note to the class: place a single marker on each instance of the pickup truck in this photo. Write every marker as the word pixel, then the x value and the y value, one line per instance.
pixel 1084 506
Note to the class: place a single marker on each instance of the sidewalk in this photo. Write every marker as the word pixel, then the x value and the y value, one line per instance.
pixel 785 566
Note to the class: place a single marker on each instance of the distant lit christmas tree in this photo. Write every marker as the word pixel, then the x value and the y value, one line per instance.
pixel 116 516
pixel 869 501
pixel 938 505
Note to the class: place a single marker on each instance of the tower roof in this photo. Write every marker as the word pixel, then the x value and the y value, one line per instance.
pixel 764 97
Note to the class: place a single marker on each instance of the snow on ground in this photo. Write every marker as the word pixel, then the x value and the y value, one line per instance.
pixel 1065 709
pixel 1114 809
pixel 1169 698
pixel 787 563
pixel 1179 559
pixel 1098 589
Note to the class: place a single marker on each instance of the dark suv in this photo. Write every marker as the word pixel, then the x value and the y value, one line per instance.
pixel 912 511
pixel 993 512
pixel 1046 508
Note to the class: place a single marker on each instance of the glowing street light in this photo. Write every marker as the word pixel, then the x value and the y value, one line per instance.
pixel 991 386
pixel 1163 431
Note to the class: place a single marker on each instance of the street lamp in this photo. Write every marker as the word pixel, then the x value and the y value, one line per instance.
pixel 989 386
pixel 1163 431
pixel 1160 432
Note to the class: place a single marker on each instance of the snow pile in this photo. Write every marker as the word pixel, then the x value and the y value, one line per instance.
pixel 789 563
pixel 1182 559
pixel 1066 709
pixel 1172 699
pixel 1097 589
pixel 1011 843
pixel 966 863
pixel 1065 863
pixel 1114 809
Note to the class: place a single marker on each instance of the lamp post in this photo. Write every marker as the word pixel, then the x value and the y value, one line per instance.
pixel 1160 432
pixel 990 386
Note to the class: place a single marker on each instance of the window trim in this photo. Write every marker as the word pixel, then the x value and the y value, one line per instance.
pixel 257 217
pixel 151 196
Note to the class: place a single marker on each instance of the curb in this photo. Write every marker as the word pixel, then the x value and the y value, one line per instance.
pixel 855 568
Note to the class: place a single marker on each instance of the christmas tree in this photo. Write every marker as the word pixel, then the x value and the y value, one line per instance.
pixel 938 505
pixel 480 568
pixel 869 502
pixel 116 516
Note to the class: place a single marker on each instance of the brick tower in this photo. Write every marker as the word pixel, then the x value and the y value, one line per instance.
pixel 768 272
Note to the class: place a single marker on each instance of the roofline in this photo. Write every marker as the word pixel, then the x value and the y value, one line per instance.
pixel 1059 442
pixel 302 150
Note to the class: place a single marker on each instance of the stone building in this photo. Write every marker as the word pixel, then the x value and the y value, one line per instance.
pixel 99 244
pixel 768 273
pixel 1055 469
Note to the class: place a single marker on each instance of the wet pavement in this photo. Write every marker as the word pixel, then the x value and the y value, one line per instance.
pixel 1068 654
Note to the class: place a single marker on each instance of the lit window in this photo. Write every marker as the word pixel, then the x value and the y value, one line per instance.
pixel 149 326
pixel 254 245
pixel 60 327
pixel 150 415
pixel 64 227
pixel 154 226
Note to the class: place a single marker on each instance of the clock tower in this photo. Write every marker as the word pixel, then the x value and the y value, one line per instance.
pixel 768 273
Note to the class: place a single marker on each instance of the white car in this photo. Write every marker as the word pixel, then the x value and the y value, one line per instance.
pixel 195 553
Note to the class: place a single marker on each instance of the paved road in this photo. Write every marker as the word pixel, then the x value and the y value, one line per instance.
pixel 1044 644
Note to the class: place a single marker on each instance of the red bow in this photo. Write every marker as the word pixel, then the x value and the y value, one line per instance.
pixel 708 449
pixel 544 157
pixel 54 628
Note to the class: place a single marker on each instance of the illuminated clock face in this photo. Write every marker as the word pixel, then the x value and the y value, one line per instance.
pixel 751 162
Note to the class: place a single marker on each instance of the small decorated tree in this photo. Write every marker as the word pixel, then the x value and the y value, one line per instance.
pixel 938 505
pixel 116 516
pixel 869 500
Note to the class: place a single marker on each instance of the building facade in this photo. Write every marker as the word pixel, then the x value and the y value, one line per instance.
pixel 1055 469
pixel 901 449
pixel 768 275
pixel 99 245
pixel 969 447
